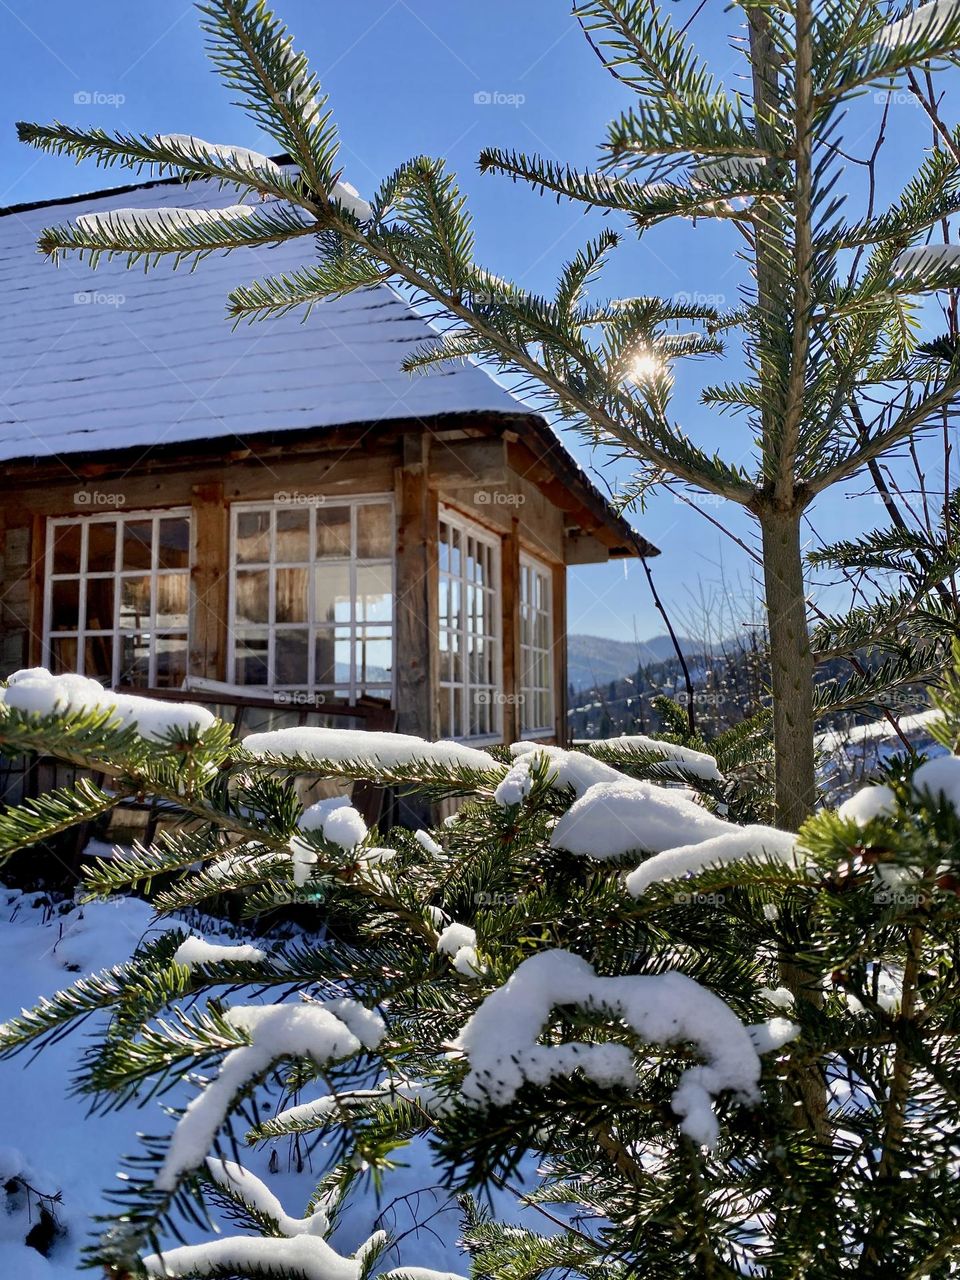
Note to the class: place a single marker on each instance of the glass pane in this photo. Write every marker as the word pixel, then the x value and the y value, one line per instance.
pixel 292 587
pixel 135 603
pixel 174 543
pixel 333 532
pixel 253 537
pixel 374 531
pixel 293 536
pixel 290 657
pixel 253 596
pixel 333 592
pixel 65 605
pixel 324 657
pixel 98 658
pixel 173 599
pixel 375 593
pixel 251 667
pixel 100 604
pixel 171 662
pixel 66 548
pixel 137 544
pixel 64 655
pixel 375 657
pixel 134 660
pixel 101 546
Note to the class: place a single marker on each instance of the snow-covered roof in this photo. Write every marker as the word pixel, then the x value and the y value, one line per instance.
pixel 93 361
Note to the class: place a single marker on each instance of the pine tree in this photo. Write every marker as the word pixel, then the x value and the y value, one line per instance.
pixel 827 332
pixel 584 966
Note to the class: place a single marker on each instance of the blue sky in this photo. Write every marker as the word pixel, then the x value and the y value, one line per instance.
pixel 404 76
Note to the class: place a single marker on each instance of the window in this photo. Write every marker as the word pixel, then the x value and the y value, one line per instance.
pixel 117 597
pixel 469 632
pixel 536 649
pixel 311 597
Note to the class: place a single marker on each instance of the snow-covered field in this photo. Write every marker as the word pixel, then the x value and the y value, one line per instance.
pixel 48 1142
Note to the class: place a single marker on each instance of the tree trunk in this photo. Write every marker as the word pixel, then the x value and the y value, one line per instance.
pixel 791 667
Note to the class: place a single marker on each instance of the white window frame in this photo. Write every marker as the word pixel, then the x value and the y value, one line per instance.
pixel 540 567
pixel 354 502
pixel 85 520
pixel 466 690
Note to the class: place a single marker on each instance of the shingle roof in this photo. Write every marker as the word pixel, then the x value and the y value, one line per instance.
pixel 99 360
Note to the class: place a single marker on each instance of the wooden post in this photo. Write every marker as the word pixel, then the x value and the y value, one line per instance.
pixel 415 641
pixel 209 577
pixel 559 602
pixel 510 611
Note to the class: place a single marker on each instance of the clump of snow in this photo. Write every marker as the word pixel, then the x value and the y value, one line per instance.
pixel 246 1186
pixel 122 222
pixel 467 962
pixel 501 1044
pixel 941 779
pixel 691 764
pixel 241 158
pixel 426 841
pixel 307 1257
pixel 390 1091
pixel 515 787
pixel 926 260
pixel 779 996
pixel 454 937
pixel 612 819
pixel 349 197
pixel 323 1032
pixel 736 844
pixel 197 951
pixel 929 21
pixel 337 822
pixel 889 990
pixel 773 1034
pixel 358 746
pixel 868 803
pixel 36 691
pixel 572 768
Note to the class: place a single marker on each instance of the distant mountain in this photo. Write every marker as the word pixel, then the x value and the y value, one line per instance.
pixel 593 660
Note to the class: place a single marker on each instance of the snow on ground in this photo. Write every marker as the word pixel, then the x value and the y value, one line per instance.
pixel 48 1140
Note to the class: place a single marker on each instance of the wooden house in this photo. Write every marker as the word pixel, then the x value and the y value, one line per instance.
pixel 275 515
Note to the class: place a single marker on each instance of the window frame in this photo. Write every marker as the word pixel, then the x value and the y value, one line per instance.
pixel 311 625
pixel 533 564
pixel 83 576
pixel 464 689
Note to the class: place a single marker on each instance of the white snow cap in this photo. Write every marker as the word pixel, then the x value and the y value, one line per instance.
pixel 323 1032
pixel 743 170
pixel 501 1039
pixel 928 20
pixel 347 195
pixel 337 822
pixel 196 951
pixel 426 841
pixel 925 260
pixel 123 220
pixel 773 1034
pixel 308 1257
pixel 216 153
pixel 573 768
pixel 736 845
pixel 515 787
pixel 459 941
pixel 245 1185
pixel 357 746
pixel 867 804
pixel 38 692
pixel 941 778
pixel 690 763
pixel 612 819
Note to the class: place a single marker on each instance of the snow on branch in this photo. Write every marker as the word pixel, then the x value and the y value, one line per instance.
pixel 324 1032
pixel 737 844
pixel 336 821
pixel 169 219
pixel 928 22
pixel 691 764
pixel 195 951
pixel 37 692
pixel 215 154
pixel 501 1039
pixel 611 819
pixel 572 768
pixel 246 1187
pixel 303 1257
pixel 360 746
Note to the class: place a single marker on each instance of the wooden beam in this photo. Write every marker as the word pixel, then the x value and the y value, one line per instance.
pixel 468 464
pixel 559 601
pixel 416 565
pixel 38 559
pixel 209 579
pixel 510 610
